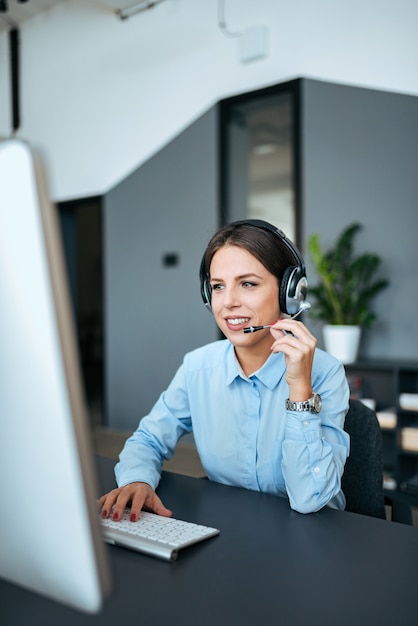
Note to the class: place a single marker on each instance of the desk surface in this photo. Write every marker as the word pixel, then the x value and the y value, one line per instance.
pixel 269 565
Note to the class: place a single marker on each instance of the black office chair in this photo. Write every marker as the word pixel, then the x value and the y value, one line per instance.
pixel 362 481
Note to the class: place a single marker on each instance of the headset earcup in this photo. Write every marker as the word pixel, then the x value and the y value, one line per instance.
pixel 283 291
pixel 293 290
pixel 207 295
pixel 205 288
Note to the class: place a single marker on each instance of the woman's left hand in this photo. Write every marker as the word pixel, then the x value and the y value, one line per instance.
pixel 298 345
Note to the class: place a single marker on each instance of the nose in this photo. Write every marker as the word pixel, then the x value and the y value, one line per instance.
pixel 231 298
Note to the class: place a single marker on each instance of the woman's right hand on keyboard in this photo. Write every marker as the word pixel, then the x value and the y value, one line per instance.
pixel 139 495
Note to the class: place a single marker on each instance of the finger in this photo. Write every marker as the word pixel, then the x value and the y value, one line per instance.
pixel 107 501
pixel 289 345
pixel 294 326
pixel 110 494
pixel 124 497
pixel 147 499
pixel 154 504
pixel 297 339
pixel 138 502
pixel 159 508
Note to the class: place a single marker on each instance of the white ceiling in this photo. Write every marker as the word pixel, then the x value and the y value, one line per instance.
pixel 19 12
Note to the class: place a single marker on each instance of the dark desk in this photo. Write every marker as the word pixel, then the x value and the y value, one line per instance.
pixel 269 565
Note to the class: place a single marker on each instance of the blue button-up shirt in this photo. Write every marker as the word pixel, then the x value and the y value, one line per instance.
pixel 242 430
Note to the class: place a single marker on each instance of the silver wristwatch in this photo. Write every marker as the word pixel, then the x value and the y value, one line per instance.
pixel 313 405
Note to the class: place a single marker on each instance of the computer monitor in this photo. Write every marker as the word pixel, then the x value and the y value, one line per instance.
pixel 50 539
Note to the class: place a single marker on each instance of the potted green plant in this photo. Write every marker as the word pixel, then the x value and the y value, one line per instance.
pixel 347 285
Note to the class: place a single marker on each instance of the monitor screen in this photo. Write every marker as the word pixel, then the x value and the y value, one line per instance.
pixel 51 541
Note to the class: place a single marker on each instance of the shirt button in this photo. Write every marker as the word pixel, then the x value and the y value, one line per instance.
pixel 306 423
pixel 317 470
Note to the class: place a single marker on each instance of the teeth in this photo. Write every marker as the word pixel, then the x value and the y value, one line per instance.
pixel 239 320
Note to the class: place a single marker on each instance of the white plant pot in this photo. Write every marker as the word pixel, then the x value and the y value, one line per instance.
pixel 342 341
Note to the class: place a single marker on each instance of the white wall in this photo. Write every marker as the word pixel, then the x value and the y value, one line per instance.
pixel 100 96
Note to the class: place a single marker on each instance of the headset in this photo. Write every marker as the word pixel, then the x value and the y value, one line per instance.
pixel 293 286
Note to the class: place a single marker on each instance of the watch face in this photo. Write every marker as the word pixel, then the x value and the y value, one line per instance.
pixel 317 402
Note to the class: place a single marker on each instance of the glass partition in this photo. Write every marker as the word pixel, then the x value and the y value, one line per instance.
pixel 259 170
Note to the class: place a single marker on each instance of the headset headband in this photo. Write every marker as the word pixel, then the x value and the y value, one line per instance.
pixel 278 233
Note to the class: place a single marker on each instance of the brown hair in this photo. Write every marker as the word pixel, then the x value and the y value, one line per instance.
pixel 263 244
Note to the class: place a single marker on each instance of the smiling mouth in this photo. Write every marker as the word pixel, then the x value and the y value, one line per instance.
pixel 237 322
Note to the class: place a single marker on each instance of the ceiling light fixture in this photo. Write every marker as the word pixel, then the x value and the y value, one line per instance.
pixel 124 14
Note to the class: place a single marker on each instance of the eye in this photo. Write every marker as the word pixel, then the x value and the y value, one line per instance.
pixel 216 287
pixel 248 283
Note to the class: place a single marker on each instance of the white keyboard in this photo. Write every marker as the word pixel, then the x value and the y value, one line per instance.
pixel 153 534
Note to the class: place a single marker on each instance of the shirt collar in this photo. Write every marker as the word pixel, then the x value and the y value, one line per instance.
pixel 269 374
pixel 232 367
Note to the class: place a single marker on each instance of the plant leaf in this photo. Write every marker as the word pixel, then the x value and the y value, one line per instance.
pixel 347 283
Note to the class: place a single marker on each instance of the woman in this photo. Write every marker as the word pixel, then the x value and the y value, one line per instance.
pixel 266 408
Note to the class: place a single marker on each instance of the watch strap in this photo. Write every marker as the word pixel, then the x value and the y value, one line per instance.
pixel 312 405
pixel 298 406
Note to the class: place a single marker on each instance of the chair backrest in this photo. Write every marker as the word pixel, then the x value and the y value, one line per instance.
pixel 362 481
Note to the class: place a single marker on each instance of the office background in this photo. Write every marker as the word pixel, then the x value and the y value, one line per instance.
pixel 127 111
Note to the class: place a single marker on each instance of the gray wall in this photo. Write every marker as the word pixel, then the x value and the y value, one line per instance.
pixel 154 313
pixel 360 163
